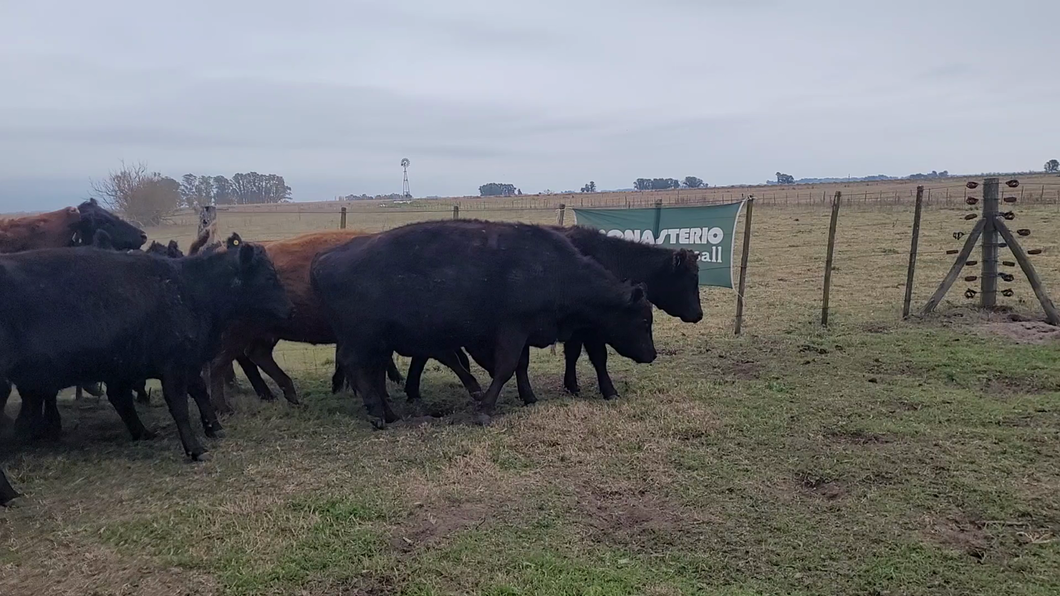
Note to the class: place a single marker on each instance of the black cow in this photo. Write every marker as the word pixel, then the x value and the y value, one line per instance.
pixel 426 289
pixel 142 317
pixel 123 235
pixel 671 278
pixel 7 492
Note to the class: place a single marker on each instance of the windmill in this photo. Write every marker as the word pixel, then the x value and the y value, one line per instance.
pixel 405 183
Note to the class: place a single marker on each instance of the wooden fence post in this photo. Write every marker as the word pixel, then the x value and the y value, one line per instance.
pixel 828 260
pixel 912 252
pixel 1051 314
pixel 562 213
pixel 988 278
pixel 456 211
pixel 743 266
pixel 342 219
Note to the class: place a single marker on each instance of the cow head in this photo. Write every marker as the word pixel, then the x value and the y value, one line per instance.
pixel 675 287
pixel 123 235
pixel 628 328
pixel 257 285
pixel 171 251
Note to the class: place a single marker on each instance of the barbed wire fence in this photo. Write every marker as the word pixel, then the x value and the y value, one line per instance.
pixel 786 262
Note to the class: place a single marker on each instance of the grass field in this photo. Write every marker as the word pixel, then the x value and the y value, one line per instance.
pixel 873 457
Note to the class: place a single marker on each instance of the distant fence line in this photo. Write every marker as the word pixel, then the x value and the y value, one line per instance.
pixel 947 196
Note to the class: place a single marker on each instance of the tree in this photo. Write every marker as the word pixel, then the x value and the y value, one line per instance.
pixel 254 188
pixel 496 189
pixel 187 189
pixel 1052 166
pixel 591 187
pixel 146 198
pixel 656 183
pixel 785 178
pixel 223 194
pixel 693 182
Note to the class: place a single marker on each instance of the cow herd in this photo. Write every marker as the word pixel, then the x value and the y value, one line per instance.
pixel 83 304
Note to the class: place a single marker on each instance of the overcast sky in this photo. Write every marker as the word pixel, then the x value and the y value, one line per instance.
pixel 542 94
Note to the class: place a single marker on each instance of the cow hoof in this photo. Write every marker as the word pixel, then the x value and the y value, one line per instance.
pixel 217 433
pixel 610 396
pixel 146 435
pixel 574 389
pixel 377 423
pixel 483 419
pixel 198 456
pixel 293 400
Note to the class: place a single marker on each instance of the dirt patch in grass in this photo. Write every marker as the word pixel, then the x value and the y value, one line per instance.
pixel 959 533
pixel 1023 332
pixel 820 485
pixel 642 521
pixel 432 526
pixel 746 370
pixel 857 436
pixel 98 570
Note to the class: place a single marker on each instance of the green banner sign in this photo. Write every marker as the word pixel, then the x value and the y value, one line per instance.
pixel 709 230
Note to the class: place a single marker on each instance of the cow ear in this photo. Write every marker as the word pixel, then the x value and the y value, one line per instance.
pixel 233 241
pixel 246 255
pixel 685 259
pixel 679 260
pixel 637 294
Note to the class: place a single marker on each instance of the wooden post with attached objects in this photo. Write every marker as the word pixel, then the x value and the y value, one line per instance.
pixel 912 252
pixel 342 219
pixel 828 260
pixel 456 211
pixel 562 214
pixel 988 277
pixel 208 222
pixel 742 285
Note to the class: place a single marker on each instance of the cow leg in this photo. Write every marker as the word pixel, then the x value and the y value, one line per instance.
pixel 597 351
pixel 261 388
pixel 175 391
pixel 7 492
pixel 453 361
pixel 380 387
pixel 216 381
pixel 93 389
pixel 338 379
pixel 197 389
pixel 230 376
pixel 142 396
pixel 261 355
pixel 28 421
pixel 522 378
pixel 53 423
pixel 507 353
pixel 412 380
pixel 572 351
pixel 120 396
pixel 483 356
pixel 5 394
pixel 393 373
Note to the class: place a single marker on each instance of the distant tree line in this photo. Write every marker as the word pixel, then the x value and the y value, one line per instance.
pixel 497 189
pixel 148 198
pixel 242 189
pixel 668 183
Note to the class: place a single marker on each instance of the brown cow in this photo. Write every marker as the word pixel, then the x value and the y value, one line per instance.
pixel 55 229
pixel 291 258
